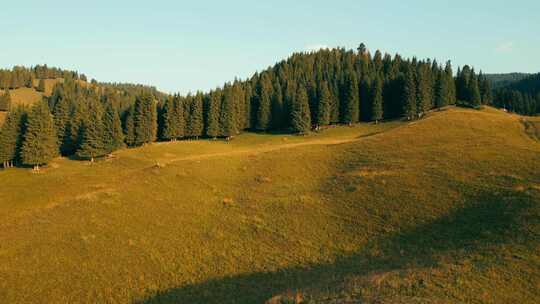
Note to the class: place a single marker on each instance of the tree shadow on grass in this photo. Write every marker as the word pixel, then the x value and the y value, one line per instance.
pixel 486 220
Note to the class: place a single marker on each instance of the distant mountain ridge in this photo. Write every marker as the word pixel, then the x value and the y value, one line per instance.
pixel 505 79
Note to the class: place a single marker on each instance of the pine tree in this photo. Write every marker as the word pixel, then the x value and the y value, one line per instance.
pixel 248 95
pixel 423 90
pixel 300 115
pixel 129 126
pixel 264 99
pixel 227 119
pixel 41 86
pixel 113 137
pixel 11 135
pixel 474 92
pixel 145 119
pixel 195 118
pixel 239 105
pixel 62 116
pixel 92 144
pixel 351 107
pixel 168 113
pixel 409 98
pixel 40 141
pixel 277 107
pixel 179 118
pixel 213 114
pixel 442 91
pixel 377 98
pixel 450 81
pixel 324 110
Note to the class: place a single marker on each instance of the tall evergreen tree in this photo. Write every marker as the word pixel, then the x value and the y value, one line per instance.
pixel 92 143
pixel 474 91
pixel 300 115
pixel 264 109
pixel 227 115
pixel 40 141
pixel 11 135
pixel 168 113
pixel 409 98
pixel 377 98
pixel 351 106
pixel 442 91
pixel 113 137
pixel 129 126
pixel 213 114
pixel 62 118
pixel 424 89
pixel 324 110
pixel 277 107
pixel 145 119
pixel 450 81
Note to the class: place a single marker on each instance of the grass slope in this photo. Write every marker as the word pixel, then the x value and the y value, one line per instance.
pixel 442 210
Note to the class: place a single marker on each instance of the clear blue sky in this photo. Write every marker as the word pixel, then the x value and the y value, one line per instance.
pixel 188 45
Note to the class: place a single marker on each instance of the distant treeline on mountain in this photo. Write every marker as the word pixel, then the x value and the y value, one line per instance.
pixel 502 80
pixel 19 77
pixel 522 97
pixel 305 92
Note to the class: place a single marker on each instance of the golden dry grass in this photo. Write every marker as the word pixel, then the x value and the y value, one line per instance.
pixel 442 210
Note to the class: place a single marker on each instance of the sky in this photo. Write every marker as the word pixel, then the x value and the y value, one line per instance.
pixel 185 46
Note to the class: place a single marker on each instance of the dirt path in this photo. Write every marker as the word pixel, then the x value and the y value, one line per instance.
pixel 264 149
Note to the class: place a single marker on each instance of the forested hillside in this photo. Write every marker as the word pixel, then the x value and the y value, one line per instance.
pixel 501 80
pixel 521 97
pixel 307 91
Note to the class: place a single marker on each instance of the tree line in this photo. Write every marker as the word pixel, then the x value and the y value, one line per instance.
pixel 305 92
pixel 19 77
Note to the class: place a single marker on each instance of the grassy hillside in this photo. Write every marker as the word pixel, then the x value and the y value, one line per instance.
pixel 441 210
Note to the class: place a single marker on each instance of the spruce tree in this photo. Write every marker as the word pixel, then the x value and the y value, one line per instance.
pixel 213 114
pixel 442 91
pixel 324 106
pixel 264 99
pixel 62 117
pixel 474 92
pixel 423 90
pixel 277 107
pixel 300 115
pixel 227 119
pixel 195 122
pixel 450 81
pixel 113 137
pixel 168 113
pixel 377 98
pixel 351 108
pixel 409 98
pixel 11 135
pixel 40 141
pixel 92 143
pixel 145 119
pixel 129 126
pixel 179 118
